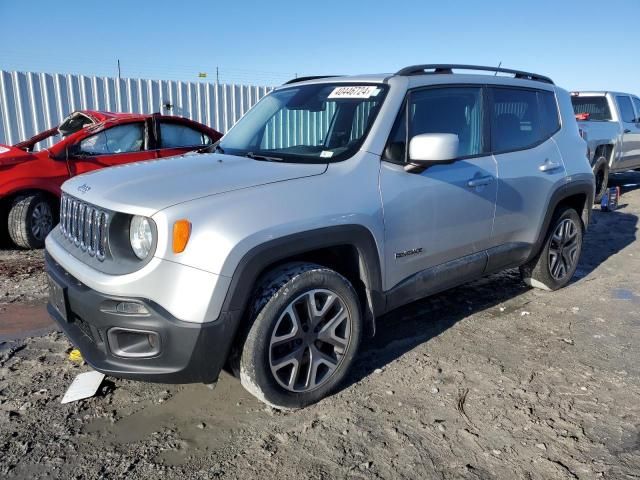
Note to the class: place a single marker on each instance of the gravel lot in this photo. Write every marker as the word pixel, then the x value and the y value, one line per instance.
pixel 22 277
pixel 490 380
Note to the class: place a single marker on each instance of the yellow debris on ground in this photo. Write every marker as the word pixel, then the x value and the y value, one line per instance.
pixel 75 355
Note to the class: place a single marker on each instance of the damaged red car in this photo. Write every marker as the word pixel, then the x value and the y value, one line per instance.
pixel 30 178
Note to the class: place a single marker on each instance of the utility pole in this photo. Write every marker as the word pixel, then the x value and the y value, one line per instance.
pixel 217 76
pixel 118 69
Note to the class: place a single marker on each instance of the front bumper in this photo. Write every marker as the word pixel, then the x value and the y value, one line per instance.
pixel 186 352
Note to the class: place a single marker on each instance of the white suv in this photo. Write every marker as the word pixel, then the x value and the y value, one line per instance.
pixel 331 202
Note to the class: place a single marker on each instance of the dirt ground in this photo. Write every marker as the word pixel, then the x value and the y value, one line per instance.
pixel 490 380
pixel 22 277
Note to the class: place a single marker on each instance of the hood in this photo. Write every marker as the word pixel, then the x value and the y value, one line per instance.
pixel 12 155
pixel 147 187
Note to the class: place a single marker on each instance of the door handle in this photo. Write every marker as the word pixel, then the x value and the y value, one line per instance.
pixel 626 130
pixel 480 181
pixel 549 166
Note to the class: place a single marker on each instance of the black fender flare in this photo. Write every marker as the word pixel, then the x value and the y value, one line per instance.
pixel 259 258
pixel 576 187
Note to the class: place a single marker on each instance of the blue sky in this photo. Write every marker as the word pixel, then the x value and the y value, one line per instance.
pixel 576 42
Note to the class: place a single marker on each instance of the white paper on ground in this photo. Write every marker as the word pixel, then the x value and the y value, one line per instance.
pixel 83 386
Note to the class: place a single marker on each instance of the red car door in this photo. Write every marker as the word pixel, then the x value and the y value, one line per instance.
pixel 123 143
pixel 176 138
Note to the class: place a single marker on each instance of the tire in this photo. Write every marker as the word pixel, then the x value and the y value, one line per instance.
pixel 601 172
pixel 286 360
pixel 563 244
pixel 31 218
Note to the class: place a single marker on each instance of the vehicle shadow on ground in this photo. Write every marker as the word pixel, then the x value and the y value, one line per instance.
pixel 608 233
pixel 627 181
pixel 404 329
pixel 5 243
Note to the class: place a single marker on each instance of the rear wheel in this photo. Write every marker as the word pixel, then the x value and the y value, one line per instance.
pixel 556 263
pixel 601 172
pixel 305 335
pixel 31 218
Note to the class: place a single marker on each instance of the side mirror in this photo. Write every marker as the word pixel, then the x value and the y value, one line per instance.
pixel 433 148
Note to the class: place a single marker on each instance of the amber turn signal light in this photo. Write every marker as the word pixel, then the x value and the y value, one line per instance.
pixel 181 233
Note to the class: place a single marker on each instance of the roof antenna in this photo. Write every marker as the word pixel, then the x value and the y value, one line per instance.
pixel 499 65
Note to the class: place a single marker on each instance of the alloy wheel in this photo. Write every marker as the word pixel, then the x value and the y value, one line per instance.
pixel 41 220
pixel 309 340
pixel 563 249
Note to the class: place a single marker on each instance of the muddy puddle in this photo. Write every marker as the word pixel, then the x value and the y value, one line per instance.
pixel 214 415
pixel 23 320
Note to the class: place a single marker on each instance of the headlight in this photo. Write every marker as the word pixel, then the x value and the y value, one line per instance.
pixel 140 236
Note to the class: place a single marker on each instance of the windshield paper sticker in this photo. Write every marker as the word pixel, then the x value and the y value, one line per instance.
pixel 326 154
pixel 354 92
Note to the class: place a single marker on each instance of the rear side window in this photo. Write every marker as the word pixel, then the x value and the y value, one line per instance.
pixel 548 113
pixel 174 135
pixel 456 110
pixel 519 120
pixel 596 107
pixel 626 109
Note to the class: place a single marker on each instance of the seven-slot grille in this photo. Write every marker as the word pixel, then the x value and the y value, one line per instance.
pixel 84 225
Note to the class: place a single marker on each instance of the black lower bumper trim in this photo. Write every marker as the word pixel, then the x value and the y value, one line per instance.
pixel 189 352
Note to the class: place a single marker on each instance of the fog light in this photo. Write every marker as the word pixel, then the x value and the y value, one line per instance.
pixel 132 308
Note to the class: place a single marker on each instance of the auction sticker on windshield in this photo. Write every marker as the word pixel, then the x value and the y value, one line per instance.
pixel 354 91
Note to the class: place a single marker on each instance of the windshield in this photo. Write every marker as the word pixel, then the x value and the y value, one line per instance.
pixel 308 123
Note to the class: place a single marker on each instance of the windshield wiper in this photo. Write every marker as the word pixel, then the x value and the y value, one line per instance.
pixel 263 157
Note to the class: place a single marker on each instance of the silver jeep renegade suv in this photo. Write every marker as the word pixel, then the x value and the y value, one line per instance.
pixel 331 202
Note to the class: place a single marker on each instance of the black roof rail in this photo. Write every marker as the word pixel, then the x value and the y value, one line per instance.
pixel 304 79
pixel 448 69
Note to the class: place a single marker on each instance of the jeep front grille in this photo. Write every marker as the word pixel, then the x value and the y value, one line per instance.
pixel 84 225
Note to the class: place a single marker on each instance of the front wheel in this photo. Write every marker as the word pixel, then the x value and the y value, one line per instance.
pixel 31 218
pixel 556 263
pixel 306 332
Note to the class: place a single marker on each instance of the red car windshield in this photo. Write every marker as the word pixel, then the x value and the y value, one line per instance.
pixel 73 123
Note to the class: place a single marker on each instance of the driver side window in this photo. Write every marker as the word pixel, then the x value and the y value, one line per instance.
pixel 118 139
pixel 456 110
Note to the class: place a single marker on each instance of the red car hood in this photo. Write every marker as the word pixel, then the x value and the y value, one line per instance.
pixel 12 155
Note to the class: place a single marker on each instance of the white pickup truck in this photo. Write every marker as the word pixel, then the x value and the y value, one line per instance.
pixel 610 124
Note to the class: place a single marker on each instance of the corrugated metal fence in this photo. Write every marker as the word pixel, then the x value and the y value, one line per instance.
pixel 33 102
pixel 290 127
